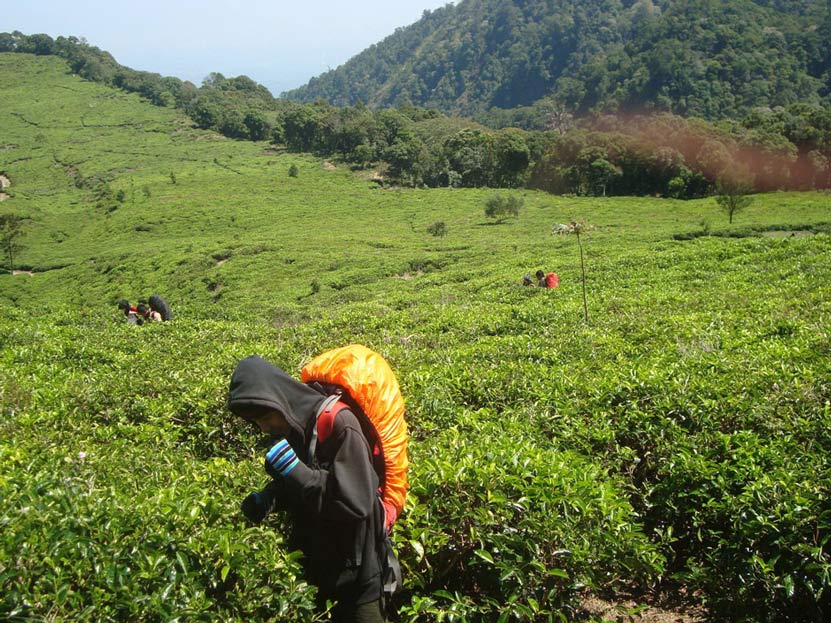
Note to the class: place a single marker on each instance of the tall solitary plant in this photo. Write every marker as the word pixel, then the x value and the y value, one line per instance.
pixel 577 228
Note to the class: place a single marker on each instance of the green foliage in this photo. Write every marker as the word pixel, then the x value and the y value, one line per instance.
pixel 107 533
pixel 259 129
pixel 731 194
pixel 711 60
pixel 500 207
pixel 784 146
pixel 476 513
pixel 293 170
pixel 11 229
pixel 678 444
pixel 437 229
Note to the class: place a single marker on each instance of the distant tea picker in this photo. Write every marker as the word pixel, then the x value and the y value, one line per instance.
pixel 155 309
pixel 550 280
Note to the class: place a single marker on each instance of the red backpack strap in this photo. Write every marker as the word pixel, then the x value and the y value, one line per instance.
pixel 325 422
pixel 326 419
pixel 390 514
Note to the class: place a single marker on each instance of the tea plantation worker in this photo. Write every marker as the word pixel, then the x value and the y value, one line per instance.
pixel 550 280
pixel 130 312
pixel 338 520
pixel 527 281
pixel 148 314
pixel 160 306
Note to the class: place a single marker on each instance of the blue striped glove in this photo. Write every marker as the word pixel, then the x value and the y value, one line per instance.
pixel 280 460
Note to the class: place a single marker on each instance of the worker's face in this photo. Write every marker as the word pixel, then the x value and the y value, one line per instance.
pixel 269 421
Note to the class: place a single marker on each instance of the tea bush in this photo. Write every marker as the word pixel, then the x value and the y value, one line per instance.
pixel 498 518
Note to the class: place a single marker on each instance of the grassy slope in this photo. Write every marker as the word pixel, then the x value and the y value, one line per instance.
pixel 236 200
pixel 703 371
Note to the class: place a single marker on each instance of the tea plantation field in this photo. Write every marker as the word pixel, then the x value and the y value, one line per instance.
pixel 678 443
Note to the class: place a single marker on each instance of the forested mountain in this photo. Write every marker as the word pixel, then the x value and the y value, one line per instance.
pixel 707 58
pixel 780 147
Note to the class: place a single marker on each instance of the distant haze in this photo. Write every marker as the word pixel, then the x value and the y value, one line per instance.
pixel 276 43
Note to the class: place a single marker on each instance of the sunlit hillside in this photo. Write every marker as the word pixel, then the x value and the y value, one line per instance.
pixel 659 429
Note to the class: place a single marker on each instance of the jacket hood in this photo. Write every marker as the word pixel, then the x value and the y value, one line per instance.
pixel 257 382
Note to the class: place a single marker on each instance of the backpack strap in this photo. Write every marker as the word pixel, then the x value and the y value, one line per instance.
pixel 325 422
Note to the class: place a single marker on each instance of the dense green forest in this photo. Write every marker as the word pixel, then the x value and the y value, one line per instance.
pixel 710 59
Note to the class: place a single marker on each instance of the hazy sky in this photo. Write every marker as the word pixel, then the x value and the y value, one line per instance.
pixel 278 43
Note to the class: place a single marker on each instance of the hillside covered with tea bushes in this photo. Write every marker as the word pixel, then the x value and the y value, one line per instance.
pixel 675 444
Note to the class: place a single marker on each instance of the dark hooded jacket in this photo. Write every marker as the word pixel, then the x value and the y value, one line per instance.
pixel 338 516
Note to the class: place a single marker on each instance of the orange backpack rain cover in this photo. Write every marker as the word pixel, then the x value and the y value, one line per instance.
pixel 372 385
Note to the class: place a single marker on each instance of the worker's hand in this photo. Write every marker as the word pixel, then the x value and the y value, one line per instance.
pixel 254 507
pixel 280 460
